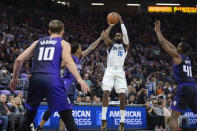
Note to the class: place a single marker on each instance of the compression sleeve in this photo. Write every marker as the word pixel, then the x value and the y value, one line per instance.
pixel 125 35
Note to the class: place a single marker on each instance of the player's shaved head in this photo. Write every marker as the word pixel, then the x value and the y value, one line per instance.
pixel 56 26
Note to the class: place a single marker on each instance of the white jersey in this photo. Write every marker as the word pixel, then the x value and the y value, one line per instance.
pixel 116 55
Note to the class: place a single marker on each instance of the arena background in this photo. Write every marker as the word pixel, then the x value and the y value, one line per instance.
pixel 24 21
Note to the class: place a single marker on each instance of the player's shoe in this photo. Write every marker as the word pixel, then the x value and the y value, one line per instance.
pixel 104 125
pixel 121 127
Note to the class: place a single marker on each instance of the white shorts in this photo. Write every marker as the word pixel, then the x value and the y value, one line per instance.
pixel 114 77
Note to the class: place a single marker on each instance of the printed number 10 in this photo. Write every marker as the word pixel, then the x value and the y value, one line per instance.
pixel 187 69
pixel 46 53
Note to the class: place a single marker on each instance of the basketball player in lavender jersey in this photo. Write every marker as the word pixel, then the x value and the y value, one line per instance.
pixel 46 81
pixel 186 94
pixel 70 81
pixel 114 74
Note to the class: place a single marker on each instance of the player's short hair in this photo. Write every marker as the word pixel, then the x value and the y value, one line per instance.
pixel 74 47
pixel 185 47
pixel 56 26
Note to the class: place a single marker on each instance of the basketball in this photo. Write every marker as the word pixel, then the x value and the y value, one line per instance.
pixel 112 18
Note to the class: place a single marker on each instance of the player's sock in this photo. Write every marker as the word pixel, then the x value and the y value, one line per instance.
pixel 104 113
pixel 122 116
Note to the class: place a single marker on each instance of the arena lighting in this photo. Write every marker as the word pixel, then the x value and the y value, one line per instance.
pixel 97 3
pixel 61 2
pixel 168 4
pixel 133 4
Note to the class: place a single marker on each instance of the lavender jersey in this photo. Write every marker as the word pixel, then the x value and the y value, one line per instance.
pixel 68 74
pixel 47 56
pixel 182 73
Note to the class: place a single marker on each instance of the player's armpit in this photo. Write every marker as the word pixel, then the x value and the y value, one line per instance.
pixel 62 64
pixel 173 53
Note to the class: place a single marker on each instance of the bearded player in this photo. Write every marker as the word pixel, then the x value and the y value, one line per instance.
pixel 69 80
pixel 186 94
pixel 114 74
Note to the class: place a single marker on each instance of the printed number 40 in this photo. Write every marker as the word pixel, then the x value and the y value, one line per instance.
pixel 46 53
pixel 187 69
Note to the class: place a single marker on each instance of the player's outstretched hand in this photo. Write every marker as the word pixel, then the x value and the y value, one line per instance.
pixel 14 82
pixel 157 25
pixel 84 86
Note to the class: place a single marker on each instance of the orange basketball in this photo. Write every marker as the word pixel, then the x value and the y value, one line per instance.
pixel 112 18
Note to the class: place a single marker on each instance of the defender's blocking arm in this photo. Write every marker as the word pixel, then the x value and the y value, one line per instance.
pixel 167 46
pixel 92 46
pixel 70 64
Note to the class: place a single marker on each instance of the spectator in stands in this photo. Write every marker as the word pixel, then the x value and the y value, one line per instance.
pixel 131 90
pixel 167 88
pixel 5 78
pixel 86 79
pixel 98 100
pixel 20 95
pixel 88 99
pixel 132 99
pixel 83 99
pixel 78 99
pixel 4 111
pixel 159 89
pixel 160 113
pixel 18 107
pixel 11 101
pixel 17 114
pixel 142 96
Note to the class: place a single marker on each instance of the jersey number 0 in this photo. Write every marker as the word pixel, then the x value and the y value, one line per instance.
pixel 46 53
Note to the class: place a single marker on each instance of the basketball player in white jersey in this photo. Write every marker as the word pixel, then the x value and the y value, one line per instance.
pixel 114 74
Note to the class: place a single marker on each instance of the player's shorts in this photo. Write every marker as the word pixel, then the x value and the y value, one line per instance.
pixel 47 86
pixel 70 88
pixel 186 97
pixel 114 77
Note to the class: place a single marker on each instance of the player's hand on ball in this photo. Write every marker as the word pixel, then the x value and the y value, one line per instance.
pixel 13 83
pixel 84 87
pixel 157 25
pixel 120 18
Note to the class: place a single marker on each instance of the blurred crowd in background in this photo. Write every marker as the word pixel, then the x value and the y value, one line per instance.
pixel 148 68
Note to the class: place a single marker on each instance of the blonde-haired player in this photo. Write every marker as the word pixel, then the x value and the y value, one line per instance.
pixel 114 74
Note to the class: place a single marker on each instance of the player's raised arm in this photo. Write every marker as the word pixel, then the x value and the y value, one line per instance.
pixel 106 38
pixel 167 46
pixel 125 37
pixel 18 64
pixel 92 46
pixel 70 64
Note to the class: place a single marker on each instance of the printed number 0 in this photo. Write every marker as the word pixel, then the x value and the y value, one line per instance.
pixel 120 53
pixel 46 53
